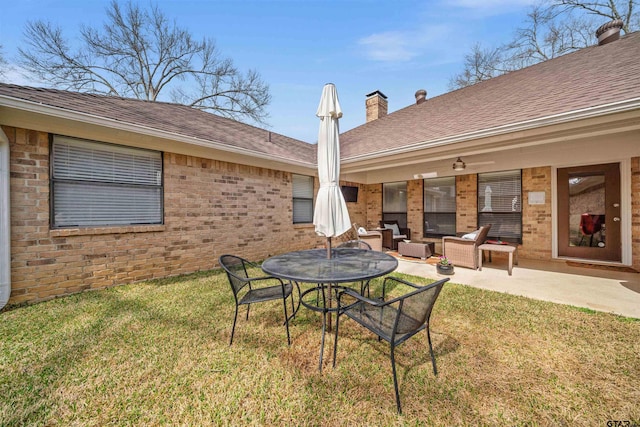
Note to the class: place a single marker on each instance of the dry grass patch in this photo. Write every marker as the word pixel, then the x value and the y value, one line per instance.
pixel 157 353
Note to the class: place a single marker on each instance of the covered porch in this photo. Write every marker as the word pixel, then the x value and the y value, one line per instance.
pixel 611 290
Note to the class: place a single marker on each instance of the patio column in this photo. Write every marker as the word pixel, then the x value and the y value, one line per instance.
pixel 5 224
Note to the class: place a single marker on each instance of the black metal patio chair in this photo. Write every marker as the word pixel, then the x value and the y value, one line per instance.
pixel 357 244
pixel 394 321
pixel 245 291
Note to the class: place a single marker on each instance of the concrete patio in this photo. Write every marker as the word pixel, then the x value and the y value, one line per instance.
pixel 609 291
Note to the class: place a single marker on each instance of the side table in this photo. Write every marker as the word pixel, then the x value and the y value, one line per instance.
pixel 511 250
pixel 415 249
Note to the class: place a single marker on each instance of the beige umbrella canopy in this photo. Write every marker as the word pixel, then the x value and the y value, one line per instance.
pixel 330 217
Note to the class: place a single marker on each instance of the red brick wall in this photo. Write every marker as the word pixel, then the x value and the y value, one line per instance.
pixel 211 208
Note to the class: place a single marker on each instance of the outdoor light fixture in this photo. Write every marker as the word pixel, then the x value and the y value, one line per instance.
pixel 458 165
pixel 425 175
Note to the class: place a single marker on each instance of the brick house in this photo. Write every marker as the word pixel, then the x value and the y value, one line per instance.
pixel 97 191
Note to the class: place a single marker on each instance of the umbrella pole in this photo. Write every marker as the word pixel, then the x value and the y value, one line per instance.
pixel 330 295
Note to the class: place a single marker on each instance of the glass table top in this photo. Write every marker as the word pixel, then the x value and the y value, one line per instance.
pixel 345 265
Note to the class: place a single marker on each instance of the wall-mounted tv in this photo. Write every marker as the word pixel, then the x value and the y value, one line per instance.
pixel 350 193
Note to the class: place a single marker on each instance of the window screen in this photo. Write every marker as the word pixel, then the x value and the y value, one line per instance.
pixel 440 206
pixel 500 204
pixel 394 202
pixel 302 199
pixel 99 184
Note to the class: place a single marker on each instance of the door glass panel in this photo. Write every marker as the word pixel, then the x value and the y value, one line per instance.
pixel 586 210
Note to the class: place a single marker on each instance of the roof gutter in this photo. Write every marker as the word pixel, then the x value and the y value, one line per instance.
pixel 48 110
pixel 5 223
pixel 585 113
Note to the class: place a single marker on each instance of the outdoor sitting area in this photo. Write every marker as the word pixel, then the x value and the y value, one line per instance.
pixel 335 319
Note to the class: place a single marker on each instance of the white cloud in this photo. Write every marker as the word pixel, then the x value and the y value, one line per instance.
pixel 15 75
pixel 490 3
pixel 491 7
pixel 388 46
pixel 404 46
pixel 443 31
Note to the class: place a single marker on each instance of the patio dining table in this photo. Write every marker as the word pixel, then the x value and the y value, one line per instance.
pixel 346 265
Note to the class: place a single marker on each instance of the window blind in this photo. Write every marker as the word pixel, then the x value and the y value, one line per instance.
pixel 500 203
pixel 440 206
pixel 98 184
pixel 394 202
pixel 394 197
pixel 440 194
pixel 302 199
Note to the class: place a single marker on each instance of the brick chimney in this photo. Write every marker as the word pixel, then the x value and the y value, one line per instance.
pixel 376 104
pixel 421 96
pixel 609 32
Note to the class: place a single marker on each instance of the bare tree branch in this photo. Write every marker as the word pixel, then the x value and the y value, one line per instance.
pixel 480 64
pixel 552 28
pixel 3 63
pixel 139 53
pixel 609 9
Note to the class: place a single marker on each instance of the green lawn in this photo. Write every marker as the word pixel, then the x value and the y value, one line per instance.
pixel 158 353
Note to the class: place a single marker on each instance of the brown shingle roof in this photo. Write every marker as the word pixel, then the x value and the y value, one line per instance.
pixel 174 118
pixel 593 76
pixel 590 77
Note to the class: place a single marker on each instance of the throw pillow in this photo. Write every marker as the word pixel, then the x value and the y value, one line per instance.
pixel 394 227
pixel 471 236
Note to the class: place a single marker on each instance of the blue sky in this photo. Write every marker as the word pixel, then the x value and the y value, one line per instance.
pixel 297 46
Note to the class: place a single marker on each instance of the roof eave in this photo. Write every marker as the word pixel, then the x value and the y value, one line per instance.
pixel 57 112
pixel 556 119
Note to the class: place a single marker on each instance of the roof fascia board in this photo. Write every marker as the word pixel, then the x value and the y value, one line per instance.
pixel 57 112
pixel 585 113
pixel 594 127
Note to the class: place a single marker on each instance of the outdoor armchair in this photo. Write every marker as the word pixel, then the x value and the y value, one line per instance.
pixel 463 251
pixel 248 289
pixel 394 321
pixel 373 238
pixel 392 233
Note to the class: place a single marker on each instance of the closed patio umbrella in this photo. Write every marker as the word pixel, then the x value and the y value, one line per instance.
pixel 330 217
pixel 487 200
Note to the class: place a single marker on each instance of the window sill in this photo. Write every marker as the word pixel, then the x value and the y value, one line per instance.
pixel 304 225
pixel 65 232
